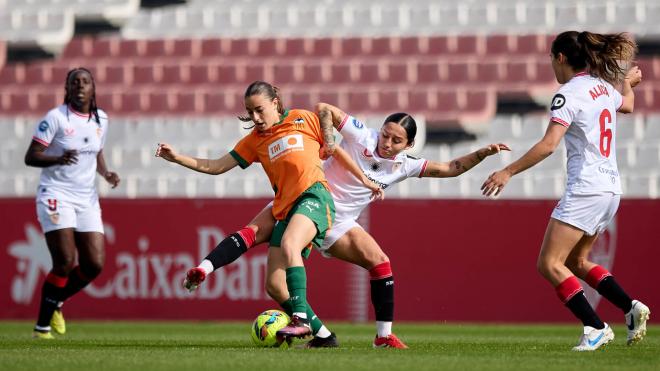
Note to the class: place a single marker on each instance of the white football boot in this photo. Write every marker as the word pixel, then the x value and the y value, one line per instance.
pixel 593 339
pixel 636 321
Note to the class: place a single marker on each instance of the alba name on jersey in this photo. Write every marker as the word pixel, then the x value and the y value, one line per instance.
pixel 64 129
pixel 360 142
pixel 587 105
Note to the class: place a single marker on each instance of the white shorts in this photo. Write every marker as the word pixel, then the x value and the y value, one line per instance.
pixel 345 220
pixel 56 213
pixel 590 213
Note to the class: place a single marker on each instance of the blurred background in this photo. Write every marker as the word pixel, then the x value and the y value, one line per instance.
pixel 470 72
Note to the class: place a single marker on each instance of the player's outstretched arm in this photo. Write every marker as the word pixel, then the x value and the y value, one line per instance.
pixel 203 165
pixel 544 148
pixel 633 77
pixel 329 117
pixel 347 162
pixel 462 164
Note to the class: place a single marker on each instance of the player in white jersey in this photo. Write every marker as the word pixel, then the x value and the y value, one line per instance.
pixel 68 146
pixel 380 156
pixel 583 112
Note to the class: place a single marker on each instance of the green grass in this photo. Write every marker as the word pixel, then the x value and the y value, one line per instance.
pixel 96 346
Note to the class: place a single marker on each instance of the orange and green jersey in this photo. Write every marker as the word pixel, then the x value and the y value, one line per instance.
pixel 289 153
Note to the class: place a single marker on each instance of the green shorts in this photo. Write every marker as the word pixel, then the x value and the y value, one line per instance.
pixel 316 203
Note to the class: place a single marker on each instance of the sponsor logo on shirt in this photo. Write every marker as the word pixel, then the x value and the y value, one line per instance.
pixel 43 126
pixel 285 145
pixel 69 131
pixel 558 102
pixel 357 124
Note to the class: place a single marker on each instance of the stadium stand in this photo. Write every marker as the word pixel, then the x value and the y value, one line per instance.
pixel 178 73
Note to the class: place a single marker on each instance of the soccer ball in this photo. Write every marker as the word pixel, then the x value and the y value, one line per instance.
pixel 265 327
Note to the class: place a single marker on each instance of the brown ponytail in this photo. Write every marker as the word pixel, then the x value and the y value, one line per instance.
pixel 601 53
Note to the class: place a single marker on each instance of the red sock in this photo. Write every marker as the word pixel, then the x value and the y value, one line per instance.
pixel 568 288
pixel 248 236
pixel 382 270
pixel 595 275
pixel 56 281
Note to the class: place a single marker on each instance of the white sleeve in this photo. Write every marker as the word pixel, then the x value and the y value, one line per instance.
pixel 563 109
pixel 352 129
pixel 618 99
pixel 415 167
pixel 104 134
pixel 46 129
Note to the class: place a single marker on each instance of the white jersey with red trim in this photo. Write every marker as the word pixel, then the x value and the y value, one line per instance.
pixel 65 129
pixel 587 105
pixel 360 142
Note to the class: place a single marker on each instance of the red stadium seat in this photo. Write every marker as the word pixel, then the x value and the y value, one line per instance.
pixel 200 74
pixel 544 72
pixel 239 47
pixel 211 48
pixel 323 47
pixel 35 74
pixel 301 100
pixel 225 74
pixel 295 47
pixel 388 101
pixel 516 71
pixel 144 74
pixel 476 100
pixel 384 46
pixel 185 48
pixel 498 44
pixel 468 44
pixel 532 44
pixel 130 102
pixel 12 74
pixel 256 72
pixel 368 73
pixel 488 72
pixel 340 74
pixel 158 101
pixel 46 101
pixel 104 48
pixel 438 45
pixel 358 101
pixel 18 102
pixel 266 47
pixel 352 47
pixel 446 101
pixel 283 73
pixel 397 72
pixel 76 48
pixel 186 102
pixel 418 101
pixel 174 74
pixel 409 46
pixel 132 48
pixel 312 74
pixel 428 72
pixel 155 48
pixel 214 102
pixel 116 74
pixel 331 97
pixel 458 72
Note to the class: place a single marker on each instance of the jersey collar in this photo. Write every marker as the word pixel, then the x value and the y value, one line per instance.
pixel 283 117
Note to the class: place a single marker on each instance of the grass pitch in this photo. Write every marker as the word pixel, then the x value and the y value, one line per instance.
pixel 199 346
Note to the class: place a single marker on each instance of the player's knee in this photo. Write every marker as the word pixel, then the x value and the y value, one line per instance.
pixel 91 270
pixel 576 264
pixel 548 267
pixel 64 265
pixel 375 259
